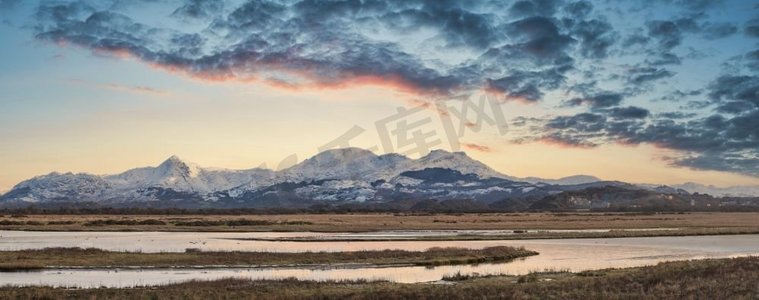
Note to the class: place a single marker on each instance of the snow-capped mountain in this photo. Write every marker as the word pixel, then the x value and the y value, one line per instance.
pixel 58 187
pixel 340 175
pixel 360 164
pixel 346 163
pixel 457 161
pixel 178 175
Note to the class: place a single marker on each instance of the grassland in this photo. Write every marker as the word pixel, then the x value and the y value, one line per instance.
pixel 26 260
pixel 669 224
pixel 703 279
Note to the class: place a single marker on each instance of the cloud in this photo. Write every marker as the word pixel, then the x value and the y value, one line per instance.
pixel 630 112
pixel 676 115
pixel 752 59
pixel 121 87
pixel 199 9
pixel 642 75
pixel 727 140
pixel 752 28
pixel 666 33
pixel 519 50
pixel 666 58
pixel 729 88
pixel 528 85
pixel 720 30
pixel 525 8
pixel 595 36
pixel 136 89
pixel 600 100
pixel 477 147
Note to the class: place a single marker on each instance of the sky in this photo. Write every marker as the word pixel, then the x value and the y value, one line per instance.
pixel 650 91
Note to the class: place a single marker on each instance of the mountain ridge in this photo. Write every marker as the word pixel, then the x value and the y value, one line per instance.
pixel 337 175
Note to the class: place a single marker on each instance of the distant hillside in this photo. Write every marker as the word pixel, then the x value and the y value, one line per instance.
pixel 348 178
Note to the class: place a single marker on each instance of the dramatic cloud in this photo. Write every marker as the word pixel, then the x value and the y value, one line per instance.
pixel 716 142
pixel 614 72
pixel 520 50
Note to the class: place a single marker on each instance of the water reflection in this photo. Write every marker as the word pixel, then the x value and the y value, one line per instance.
pixel 570 254
pixel 237 241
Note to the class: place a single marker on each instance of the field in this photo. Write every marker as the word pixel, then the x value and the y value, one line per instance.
pixel 26 260
pixel 703 279
pixel 685 223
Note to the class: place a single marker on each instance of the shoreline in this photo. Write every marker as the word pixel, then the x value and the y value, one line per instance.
pixel 725 278
pixel 362 222
pixel 91 258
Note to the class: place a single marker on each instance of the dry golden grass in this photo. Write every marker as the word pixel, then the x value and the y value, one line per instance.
pixel 25 260
pixel 708 222
pixel 705 279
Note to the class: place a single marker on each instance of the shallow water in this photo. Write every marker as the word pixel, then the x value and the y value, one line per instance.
pixel 245 241
pixel 569 254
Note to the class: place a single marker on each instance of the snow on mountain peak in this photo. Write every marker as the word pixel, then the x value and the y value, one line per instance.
pixel 347 164
pixel 174 166
pixel 458 161
pixel 343 163
pixel 350 153
pixel 441 153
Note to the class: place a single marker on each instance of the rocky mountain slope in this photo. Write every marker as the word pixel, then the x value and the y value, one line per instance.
pixel 348 175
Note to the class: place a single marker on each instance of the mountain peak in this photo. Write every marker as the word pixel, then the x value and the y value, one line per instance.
pixel 348 152
pixel 174 164
pixel 444 153
pixel 173 159
pixel 458 161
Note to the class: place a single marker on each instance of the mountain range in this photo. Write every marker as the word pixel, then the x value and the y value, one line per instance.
pixel 348 175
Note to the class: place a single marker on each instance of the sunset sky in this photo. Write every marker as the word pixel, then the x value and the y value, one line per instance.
pixel 654 91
